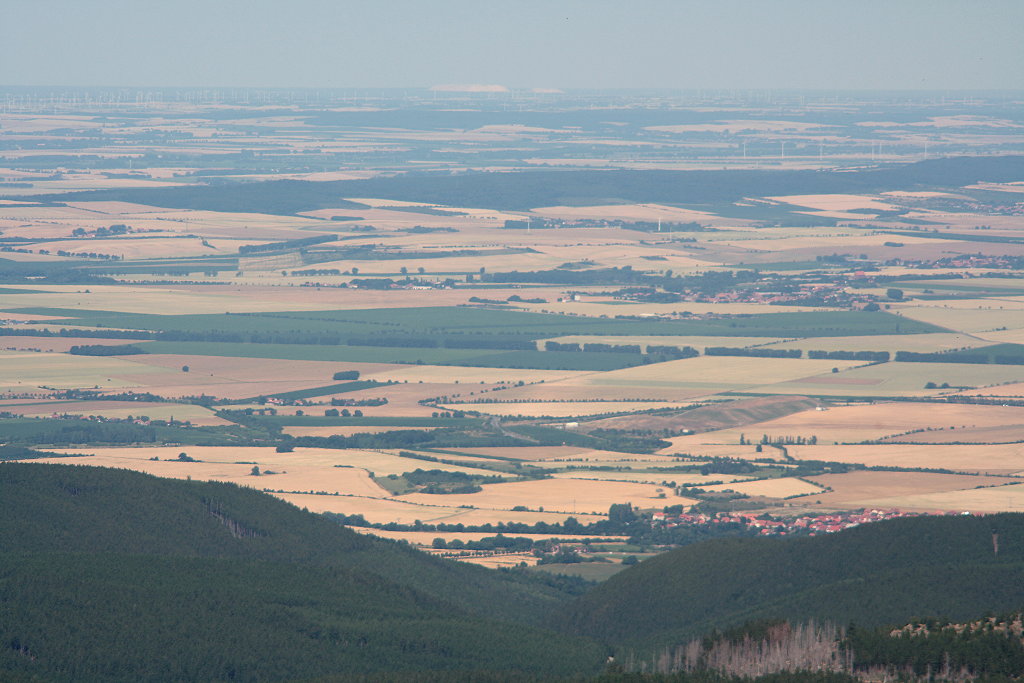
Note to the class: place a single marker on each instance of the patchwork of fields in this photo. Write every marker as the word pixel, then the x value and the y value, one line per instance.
pixel 517 348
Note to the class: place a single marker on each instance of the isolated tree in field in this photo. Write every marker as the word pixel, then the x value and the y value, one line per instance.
pixel 895 294
pixel 255 471
pixel 185 368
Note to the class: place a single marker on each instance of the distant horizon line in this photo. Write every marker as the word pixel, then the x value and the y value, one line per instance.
pixel 446 89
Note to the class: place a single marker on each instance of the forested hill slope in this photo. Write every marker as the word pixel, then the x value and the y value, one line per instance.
pixel 880 573
pixel 114 575
pixel 99 510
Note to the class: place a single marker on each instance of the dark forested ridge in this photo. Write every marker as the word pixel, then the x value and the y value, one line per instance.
pixel 115 575
pixel 874 574
pixel 524 190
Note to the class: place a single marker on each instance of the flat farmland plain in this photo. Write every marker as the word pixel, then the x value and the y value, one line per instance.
pixel 921 343
pixel 328 461
pixel 563 408
pixel 897 379
pixel 561 495
pixel 898 489
pixel 384 510
pixel 984 458
pixel 653 476
pixel 22 371
pixel 1009 498
pixel 424 538
pixel 786 487
pixel 864 422
pixel 719 373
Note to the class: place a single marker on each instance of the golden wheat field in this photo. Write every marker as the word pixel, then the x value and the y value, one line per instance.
pixel 992 458
pixel 424 538
pixel 902 490
pixel 329 461
pixel 384 510
pixel 563 408
pixel 652 476
pixel 561 495
pixel 864 422
pixel 786 487
pixel 719 372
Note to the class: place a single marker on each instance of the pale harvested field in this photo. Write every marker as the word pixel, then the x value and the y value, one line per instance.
pixel 130 248
pixel 57 344
pixel 23 317
pixel 329 461
pixel 260 369
pixel 404 399
pixel 227 377
pixel 785 487
pixel 855 423
pixel 736 126
pixel 830 243
pixel 719 372
pixel 680 444
pixel 180 412
pixel 346 431
pixel 528 452
pixel 922 343
pixel 968 435
pixel 1004 336
pixel 990 458
pixel 439 374
pixel 563 408
pixel 596 309
pixel 24 370
pixel 1009 390
pixel 965 320
pixel 426 537
pixel 629 213
pixel 546 455
pixel 836 202
pixel 651 477
pixel 993 499
pixel 1002 303
pixel 450 264
pixel 346 481
pixel 383 510
pixel 623 254
pixel 647 463
pixel 897 379
pixel 250 298
pixel 562 495
pixel 580 390
pixel 500 561
pixel 699 343
pixel 892 489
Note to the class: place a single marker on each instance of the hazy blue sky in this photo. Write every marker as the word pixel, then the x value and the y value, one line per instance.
pixel 820 44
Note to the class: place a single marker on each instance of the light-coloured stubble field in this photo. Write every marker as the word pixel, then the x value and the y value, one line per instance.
pixel 561 495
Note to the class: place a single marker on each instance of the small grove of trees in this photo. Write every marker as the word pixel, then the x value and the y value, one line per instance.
pixel 756 353
pixel 347 374
pixel 105 350
pixel 873 356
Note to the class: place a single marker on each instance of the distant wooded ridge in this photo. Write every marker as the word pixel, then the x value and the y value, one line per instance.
pixel 531 189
